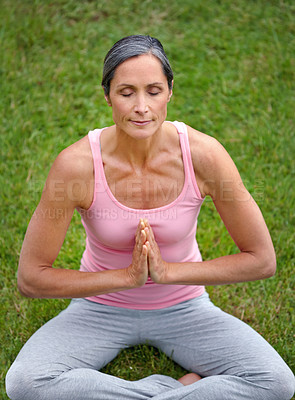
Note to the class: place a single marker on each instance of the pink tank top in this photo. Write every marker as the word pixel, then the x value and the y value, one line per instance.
pixel 110 228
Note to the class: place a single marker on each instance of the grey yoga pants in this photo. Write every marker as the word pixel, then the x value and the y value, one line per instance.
pixel 61 361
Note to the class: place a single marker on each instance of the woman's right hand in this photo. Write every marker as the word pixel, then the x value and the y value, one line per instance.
pixel 138 269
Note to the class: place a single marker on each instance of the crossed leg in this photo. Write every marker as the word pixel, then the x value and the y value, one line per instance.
pixel 63 358
pixel 234 361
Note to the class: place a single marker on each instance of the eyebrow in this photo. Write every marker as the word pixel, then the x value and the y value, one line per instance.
pixel 132 86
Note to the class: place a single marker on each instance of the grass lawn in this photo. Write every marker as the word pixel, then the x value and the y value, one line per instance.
pixel 234 79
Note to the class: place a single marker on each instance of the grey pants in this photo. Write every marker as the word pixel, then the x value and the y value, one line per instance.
pixel 61 361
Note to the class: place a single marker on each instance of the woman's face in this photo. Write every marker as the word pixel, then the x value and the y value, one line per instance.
pixel 139 95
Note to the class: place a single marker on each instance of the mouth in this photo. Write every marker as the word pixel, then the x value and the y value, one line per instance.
pixel 141 123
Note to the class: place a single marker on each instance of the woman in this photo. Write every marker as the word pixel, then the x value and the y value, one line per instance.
pixel 139 186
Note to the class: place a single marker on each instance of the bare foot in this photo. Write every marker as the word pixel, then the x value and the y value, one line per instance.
pixel 188 379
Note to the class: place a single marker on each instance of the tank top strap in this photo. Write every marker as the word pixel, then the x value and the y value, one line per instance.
pixel 186 154
pixel 94 141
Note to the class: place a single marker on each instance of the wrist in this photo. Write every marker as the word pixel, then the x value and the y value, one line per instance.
pixel 168 275
pixel 132 279
pixel 163 278
pixel 128 278
pixel 174 274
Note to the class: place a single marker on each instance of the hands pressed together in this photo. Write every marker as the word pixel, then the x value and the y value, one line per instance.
pixel 146 257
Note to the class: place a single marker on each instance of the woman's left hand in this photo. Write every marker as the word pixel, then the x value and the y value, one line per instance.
pixel 157 266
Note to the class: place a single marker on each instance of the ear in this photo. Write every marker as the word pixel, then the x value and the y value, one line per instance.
pixel 107 98
pixel 170 92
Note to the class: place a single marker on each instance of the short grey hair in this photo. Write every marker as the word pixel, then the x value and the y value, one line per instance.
pixel 133 46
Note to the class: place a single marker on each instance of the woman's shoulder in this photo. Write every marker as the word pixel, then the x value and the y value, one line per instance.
pixel 205 149
pixel 72 173
pixel 200 140
pixel 209 157
pixel 76 159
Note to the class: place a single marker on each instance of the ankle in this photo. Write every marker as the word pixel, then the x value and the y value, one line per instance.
pixel 190 378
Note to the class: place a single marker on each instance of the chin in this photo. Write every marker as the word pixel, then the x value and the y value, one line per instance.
pixel 144 133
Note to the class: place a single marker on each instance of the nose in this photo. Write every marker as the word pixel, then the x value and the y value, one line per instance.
pixel 141 106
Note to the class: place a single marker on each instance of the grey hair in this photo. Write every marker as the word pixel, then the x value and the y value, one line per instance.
pixel 133 46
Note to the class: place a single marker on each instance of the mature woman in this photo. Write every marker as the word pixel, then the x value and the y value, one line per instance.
pixel 139 186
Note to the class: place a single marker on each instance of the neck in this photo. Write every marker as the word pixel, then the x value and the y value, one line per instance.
pixel 137 152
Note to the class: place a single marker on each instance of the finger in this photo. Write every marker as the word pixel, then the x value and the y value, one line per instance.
pixel 143 260
pixel 149 249
pixel 140 240
pixel 143 236
pixel 144 250
pixel 150 229
pixel 140 226
pixel 149 234
pixel 137 230
pixel 138 243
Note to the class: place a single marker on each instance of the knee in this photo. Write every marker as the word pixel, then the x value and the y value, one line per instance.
pixel 281 384
pixel 18 383
pixel 11 383
pixel 284 384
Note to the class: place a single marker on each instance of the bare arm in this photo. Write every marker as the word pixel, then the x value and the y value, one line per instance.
pixel 218 178
pixel 68 186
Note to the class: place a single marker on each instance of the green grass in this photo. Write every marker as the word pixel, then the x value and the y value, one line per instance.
pixel 234 79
